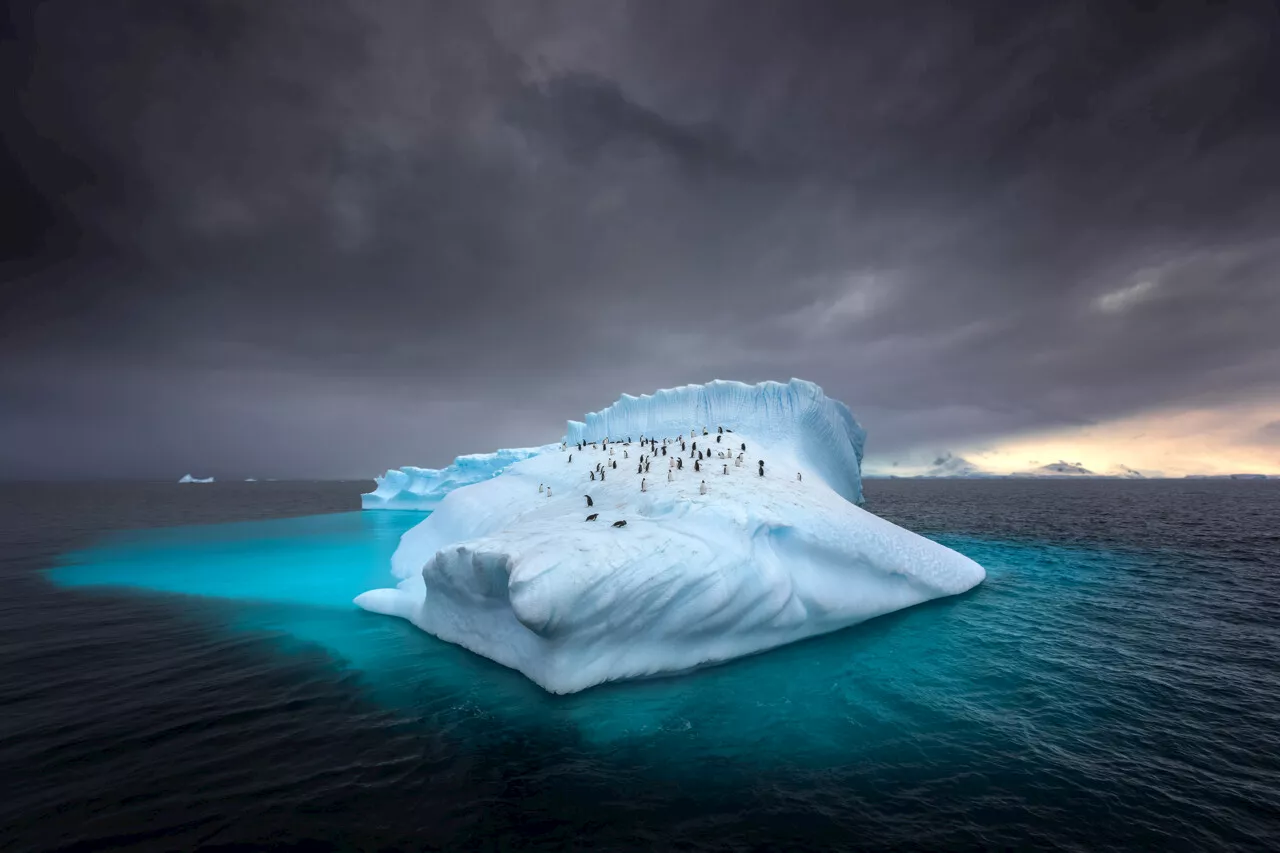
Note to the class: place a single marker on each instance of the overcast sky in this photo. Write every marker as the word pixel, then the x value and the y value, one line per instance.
pixel 325 237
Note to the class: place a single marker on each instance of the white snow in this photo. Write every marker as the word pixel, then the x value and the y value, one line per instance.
pixel 692 579
pixel 187 478
pixel 424 488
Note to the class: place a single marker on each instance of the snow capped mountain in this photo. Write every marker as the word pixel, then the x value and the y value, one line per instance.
pixel 948 465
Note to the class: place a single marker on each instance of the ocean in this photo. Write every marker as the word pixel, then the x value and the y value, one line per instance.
pixel 181 668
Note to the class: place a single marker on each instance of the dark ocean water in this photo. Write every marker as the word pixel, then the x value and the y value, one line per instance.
pixel 181 668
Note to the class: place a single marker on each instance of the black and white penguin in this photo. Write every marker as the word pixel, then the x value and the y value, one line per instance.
pixel 620 524
pixel 640 468
pixel 615 464
pixel 539 488
pixel 570 457
pixel 589 501
pixel 593 516
pixel 680 464
pixel 695 445
pixel 761 467
pixel 702 489
pixel 664 450
pixel 697 466
pixel 643 488
pixel 602 476
pixel 593 475
pixel 744 447
pixel 726 467
pixel 646 467
pixel 670 475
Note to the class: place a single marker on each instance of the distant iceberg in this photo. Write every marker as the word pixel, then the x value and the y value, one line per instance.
pixel 575 580
pixel 187 478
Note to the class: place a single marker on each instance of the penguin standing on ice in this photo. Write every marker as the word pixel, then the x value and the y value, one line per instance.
pixel 726 467
pixel 700 454
pixel 761 467
pixel 646 467
pixel 593 475
pixel 548 491
pixel 695 445
pixel 798 477
pixel 702 489
pixel 539 488
pixel 642 485
pixel 640 468
pixel 589 501
pixel 615 464
pixel 625 455
pixel 664 450
pixel 683 448
pixel 717 439
pixel 670 475
pixel 721 432
pixel 737 463
pixel 570 457
pixel 697 466
pixel 744 447
pixel 602 476
pixel 679 464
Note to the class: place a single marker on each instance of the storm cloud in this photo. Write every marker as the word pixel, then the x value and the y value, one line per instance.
pixel 325 237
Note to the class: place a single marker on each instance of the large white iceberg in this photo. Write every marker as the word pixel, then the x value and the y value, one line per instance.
pixel 511 568
pixel 187 478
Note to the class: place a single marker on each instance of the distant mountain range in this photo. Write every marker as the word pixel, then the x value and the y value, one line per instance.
pixel 949 466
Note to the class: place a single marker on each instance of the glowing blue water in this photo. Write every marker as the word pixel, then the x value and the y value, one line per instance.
pixel 1076 681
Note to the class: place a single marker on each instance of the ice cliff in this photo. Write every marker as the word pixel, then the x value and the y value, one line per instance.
pixel 424 488
pixel 510 567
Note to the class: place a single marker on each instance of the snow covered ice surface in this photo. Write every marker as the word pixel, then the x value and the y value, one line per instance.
pixel 423 488
pixel 508 566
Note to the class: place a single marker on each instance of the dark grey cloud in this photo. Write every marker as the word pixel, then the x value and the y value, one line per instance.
pixel 325 237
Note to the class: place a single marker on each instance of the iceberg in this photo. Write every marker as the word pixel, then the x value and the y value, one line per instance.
pixel 423 488
pixel 576 580
pixel 187 478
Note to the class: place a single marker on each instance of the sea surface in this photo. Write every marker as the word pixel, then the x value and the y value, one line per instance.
pixel 181 668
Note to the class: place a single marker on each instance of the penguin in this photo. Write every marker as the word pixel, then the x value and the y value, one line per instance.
pixel 593 475
pixel 610 451
pixel 702 490
pixel 679 464
pixel 718 439
pixel 695 445
pixel 625 455
pixel 683 448
pixel 548 491
pixel 798 477
pixel 699 454
pixel 744 447
pixel 697 466
pixel 671 462
pixel 642 485
pixel 664 450
pixel 761 467
pixel 593 516
pixel 737 463
pixel 571 457
pixel 640 468
pixel 670 475
pixel 620 524
pixel 726 467
pixel 602 476
pixel 704 430
pixel 589 501
pixel 646 467
pixel 539 488
pixel 615 464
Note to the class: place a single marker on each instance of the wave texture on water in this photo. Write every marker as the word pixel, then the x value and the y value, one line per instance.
pixel 1111 686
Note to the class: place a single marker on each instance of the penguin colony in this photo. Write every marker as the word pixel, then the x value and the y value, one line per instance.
pixel 652 447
